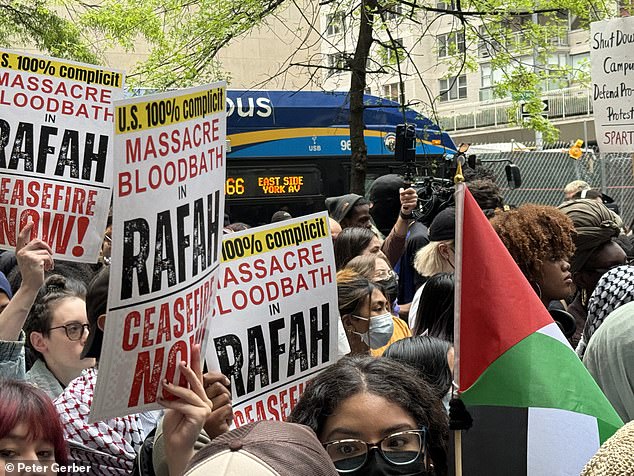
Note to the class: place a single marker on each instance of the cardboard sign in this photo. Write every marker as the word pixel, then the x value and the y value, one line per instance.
pixel 56 151
pixel 612 58
pixel 275 322
pixel 166 241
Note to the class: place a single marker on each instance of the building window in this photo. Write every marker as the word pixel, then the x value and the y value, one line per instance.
pixel 336 63
pixel 335 23
pixel 394 52
pixel 394 12
pixel 452 89
pixel 390 91
pixel 450 44
pixel 445 5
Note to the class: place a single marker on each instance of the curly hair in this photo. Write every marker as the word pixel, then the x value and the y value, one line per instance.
pixel 535 233
pixel 53 291
pixel 387 378
pixel 486 193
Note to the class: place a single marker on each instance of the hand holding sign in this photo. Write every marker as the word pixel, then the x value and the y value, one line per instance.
pixel 185 417
pixel 34 257
pixel 218 390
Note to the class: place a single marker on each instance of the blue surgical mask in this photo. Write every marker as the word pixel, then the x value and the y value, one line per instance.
pixel 380 330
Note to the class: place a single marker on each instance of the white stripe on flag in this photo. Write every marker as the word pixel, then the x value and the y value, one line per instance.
pixel 559 442
pixel 553 330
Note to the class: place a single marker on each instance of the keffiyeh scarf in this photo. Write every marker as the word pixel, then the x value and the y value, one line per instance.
pixel 615 288
pixel 108 447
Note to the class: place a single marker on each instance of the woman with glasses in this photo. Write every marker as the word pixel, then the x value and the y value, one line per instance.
pixel 56 331
pixel 56 326
pixel 377 269
pixel 376 417
pixel 366 314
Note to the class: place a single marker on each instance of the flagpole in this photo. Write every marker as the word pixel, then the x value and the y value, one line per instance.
pixel 459 182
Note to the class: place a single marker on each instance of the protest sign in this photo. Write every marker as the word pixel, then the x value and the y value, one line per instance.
pixel 56 151
pixel 168 214
pixel 612 59
pixel 276 317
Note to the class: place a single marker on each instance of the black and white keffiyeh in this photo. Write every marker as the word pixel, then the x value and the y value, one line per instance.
pixel 615 288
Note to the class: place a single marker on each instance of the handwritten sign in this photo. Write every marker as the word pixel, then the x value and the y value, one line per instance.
pixel 612 58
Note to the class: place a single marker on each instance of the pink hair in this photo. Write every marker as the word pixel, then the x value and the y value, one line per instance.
pixel 21 402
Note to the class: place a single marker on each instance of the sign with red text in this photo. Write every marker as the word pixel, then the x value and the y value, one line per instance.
pixel 168 213
pixel 612 59
pixel 275 322
pixel 56 151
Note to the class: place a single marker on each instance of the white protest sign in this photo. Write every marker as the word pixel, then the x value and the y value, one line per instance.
pixel 166 241
pixel 56 151
pixel 276 315
pixel 612 58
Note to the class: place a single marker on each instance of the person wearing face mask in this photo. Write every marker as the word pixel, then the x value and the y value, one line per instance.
pixel 366 314
pixel 376 417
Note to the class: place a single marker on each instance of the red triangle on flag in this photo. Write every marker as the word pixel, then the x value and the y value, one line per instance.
pixel 495 306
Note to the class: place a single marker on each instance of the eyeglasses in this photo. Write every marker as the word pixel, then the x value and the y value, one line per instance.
pixel 74 330
pixel 400 448
pixel 384 274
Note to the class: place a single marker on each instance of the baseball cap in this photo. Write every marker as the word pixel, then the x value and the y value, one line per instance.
pixel 264 448
pixel 339 207
pixel 443 226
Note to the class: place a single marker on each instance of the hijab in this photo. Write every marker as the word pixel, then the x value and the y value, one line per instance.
pixel 610 359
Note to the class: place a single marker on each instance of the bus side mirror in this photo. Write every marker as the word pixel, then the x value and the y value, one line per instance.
pixel 513 176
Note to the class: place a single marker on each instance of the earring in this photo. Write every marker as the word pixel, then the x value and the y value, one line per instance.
pixel 584 298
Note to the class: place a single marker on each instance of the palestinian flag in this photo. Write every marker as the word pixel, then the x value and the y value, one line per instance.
pixel 536 409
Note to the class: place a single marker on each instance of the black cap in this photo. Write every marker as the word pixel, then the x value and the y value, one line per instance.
pixel 96 305
pixel 280 215
pixel 443 226
pixel 339 207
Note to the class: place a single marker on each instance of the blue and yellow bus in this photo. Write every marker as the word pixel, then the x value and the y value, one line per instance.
pixel 291 150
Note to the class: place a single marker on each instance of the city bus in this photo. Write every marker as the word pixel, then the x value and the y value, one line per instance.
pixel 291 149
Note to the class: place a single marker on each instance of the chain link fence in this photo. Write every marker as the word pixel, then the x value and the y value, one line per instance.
pixel 546 173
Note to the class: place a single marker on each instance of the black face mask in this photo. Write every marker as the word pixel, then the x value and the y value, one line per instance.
pixel 390 286
pixel 376 465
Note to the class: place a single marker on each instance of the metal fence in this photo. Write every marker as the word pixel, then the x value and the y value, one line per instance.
pixel 546 173
pixel 562 104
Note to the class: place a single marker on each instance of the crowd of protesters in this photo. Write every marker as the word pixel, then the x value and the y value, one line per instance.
pixel 380 410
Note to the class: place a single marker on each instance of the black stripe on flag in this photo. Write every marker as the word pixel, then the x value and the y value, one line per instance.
pixel 496 443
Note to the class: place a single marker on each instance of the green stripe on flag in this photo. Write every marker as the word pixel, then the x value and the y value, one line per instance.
pixel 540 371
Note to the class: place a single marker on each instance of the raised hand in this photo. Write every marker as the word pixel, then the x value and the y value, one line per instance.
pixel 218 391
pixel 184 417
pixel 34 257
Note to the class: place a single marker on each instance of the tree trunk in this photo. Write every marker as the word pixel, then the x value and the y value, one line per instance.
pixel 358 64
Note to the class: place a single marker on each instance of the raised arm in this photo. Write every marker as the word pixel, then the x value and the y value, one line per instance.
pixel 34 257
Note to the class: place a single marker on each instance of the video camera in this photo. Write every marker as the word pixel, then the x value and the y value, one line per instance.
pixel 433 181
